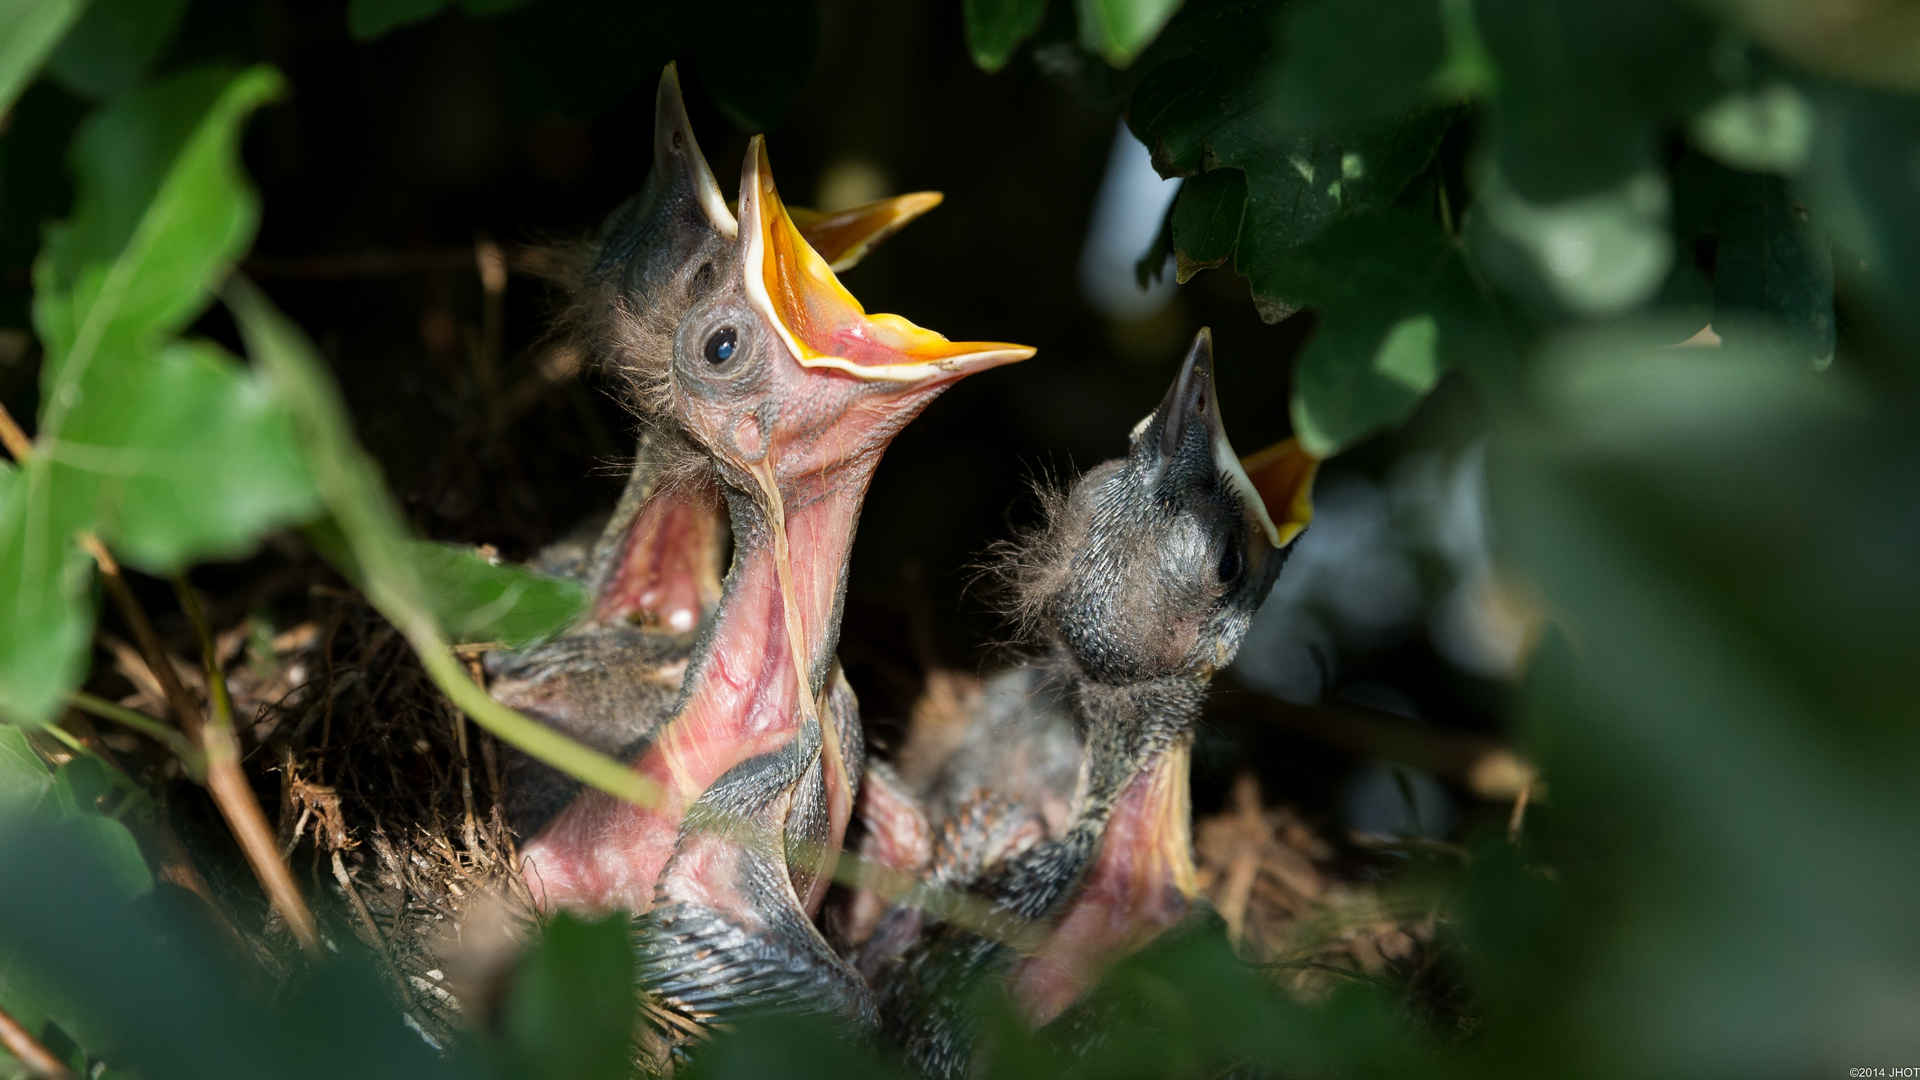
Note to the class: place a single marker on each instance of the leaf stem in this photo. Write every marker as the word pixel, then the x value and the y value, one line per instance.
pixel 20 1042
pixel 225 780
pixel 182 748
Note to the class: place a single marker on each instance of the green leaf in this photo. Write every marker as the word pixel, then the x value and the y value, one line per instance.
pixel 1353 380
pixel 162 208
pixel 46 590
pixel 570 1012
pixel 477 600
pixel 1715 530
pixel 167 450
pixel 29 29
pixel 1206 221
pixel 114 45
pixel 1592 254
pixel 181 458
pixel 1585 91
pixel 1766 127
pixel 995 28
pixel 1120 29
pixel 24 776
pixel 367 19
pixel 1397 309
pixel 1348 62
pixel 471 598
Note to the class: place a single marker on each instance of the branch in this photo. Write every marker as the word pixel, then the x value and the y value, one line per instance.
pixel 21 1044
pixel 229 786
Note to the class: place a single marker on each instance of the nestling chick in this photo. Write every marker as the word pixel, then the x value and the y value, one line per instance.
pixel 653 570
pixel 1138 588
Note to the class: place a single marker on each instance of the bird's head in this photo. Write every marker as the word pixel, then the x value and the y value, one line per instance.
pixel 663 249
pixel 781 375
pixel 1153 565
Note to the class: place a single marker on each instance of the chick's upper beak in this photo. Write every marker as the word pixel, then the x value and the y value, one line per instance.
pixel 1186 432
pixel 821 323
pixel 676 154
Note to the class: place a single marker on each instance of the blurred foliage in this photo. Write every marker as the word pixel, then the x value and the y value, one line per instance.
pixel 1544 196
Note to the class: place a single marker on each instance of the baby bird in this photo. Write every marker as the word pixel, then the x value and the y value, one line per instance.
pixel 786 393
pixel 653 571
pixel 1139 586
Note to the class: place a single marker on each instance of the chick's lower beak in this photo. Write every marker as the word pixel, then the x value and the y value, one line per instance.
pixel 822 325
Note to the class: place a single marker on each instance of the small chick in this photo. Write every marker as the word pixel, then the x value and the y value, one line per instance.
pixel 1139 587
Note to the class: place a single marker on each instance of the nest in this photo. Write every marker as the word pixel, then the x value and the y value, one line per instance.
pixel 389 804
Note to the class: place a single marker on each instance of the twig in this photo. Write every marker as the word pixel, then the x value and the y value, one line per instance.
pixel 228 782
pixel 36 1057
pixel 16 440
pixel 188 754
pixel 1519 816
pixel 374 936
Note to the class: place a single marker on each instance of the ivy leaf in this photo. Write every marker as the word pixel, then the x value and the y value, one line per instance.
pixel 114 44
pixel 29 30
pixel 1397 309
pixel 1206 221
pixel 995 28
pixel 185 457
pixel 570 1011
pixel 161 209
pixel 168 450
pixel 1120 29
pixel 1199 111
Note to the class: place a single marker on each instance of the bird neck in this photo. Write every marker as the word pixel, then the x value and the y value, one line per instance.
pixel 761 673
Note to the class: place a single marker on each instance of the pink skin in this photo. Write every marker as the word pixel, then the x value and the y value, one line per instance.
pixel 764 679
pixel 665 578
pixel 1140 883
pixel 602 853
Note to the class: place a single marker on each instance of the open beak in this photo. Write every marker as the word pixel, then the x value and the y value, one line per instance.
pixel 820 322
pixel 843 237
pixel 1282 475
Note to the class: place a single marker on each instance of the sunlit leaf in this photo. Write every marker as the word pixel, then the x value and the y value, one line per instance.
pixel 1119 29
pixel 1594 254
pixel 1769 126
pixel 29 29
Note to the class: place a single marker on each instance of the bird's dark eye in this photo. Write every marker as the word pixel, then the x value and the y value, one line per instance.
pixel 720 345
pixel 1230 564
